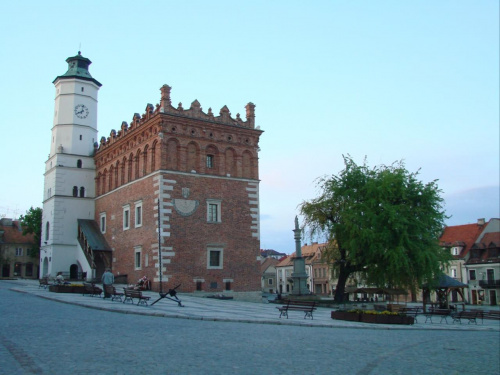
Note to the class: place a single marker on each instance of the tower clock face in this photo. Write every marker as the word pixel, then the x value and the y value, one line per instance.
pixel 81 111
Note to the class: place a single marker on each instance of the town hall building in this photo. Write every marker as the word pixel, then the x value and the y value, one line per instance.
pixel 177 183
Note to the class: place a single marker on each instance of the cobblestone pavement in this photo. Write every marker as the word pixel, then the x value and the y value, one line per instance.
pixel 91 335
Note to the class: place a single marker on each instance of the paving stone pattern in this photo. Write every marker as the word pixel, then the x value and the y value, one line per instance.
pixel 89 335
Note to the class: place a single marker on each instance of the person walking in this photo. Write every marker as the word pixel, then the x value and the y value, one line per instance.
pixel 107 281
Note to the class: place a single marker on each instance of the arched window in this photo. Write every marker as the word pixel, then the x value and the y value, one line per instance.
pixel 130 166
pixel 82 192
pixel 137 159
pixel 124 163
pixel 145 161
pixel 75 191
pixel 192 158
pixel 79 163
pixel 172 152
pixel 111 176
pixel 153 156
pixel 247 165
pixel 230 162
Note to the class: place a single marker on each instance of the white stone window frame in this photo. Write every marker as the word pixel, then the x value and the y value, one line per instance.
pixel 138 258
pixel 102 222
pixel 218 204
pixel 221 258
pixel 138 218
pixel 19 251
pixel 126 217
pixel 453 272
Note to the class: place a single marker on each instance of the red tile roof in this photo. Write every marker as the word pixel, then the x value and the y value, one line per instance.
pixel 308 251
pixel 13 234
pixel 461 235
pixel 488 238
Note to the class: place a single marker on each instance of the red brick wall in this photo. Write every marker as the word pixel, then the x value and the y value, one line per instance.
pixel 164 149
pixel 189 236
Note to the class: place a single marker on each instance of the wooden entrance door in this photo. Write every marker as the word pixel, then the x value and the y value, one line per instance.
pixel 493 297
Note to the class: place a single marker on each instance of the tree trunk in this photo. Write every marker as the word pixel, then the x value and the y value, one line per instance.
pixel 340 290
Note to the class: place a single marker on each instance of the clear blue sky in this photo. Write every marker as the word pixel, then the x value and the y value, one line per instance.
pixel 388 80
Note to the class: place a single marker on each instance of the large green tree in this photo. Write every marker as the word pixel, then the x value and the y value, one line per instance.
pixel 381 222
pixel 32 224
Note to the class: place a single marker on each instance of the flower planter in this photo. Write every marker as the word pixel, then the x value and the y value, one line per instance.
pixel 66 289
pixel 386 319
pixel 344 315
pixel 372 318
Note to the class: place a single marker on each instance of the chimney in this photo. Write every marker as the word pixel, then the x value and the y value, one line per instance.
pixel 481 221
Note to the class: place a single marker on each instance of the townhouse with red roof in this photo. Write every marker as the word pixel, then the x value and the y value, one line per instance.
pixel 476 262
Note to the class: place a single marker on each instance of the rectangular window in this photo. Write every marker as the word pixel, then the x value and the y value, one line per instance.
pixel 210 161
pixel 270 282
pixel 103 222
pixel 137 257
pixel 138 214
pixel 454 272
pixel 213 211
pixel 214 258
pixel 228 285
pixel 490 274
pixel 19 252
pixel 126 217
pixel 472 274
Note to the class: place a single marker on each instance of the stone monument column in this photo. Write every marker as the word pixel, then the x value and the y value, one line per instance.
pixel 299 275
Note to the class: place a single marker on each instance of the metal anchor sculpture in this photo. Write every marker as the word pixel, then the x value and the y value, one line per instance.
pixel 171 295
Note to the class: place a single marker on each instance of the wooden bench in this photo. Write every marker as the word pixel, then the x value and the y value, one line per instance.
pixel 443 313
pixel 111 290
pixel 411 311
pixel 305 306
pixel 470 315
pixel 130 294
pixel 492 314
pixel 92 290
pixel 44 283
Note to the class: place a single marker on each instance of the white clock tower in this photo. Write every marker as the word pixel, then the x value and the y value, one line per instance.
pixel 69 189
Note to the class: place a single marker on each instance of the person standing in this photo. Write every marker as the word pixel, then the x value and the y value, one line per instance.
pixel 107 280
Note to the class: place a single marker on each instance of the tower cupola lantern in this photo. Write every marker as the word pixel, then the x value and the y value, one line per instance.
pixel 78 67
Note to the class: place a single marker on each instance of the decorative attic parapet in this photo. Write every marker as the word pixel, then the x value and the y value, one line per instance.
pixel 195 111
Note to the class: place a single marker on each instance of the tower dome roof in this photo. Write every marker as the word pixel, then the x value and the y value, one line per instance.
pixel 78 67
